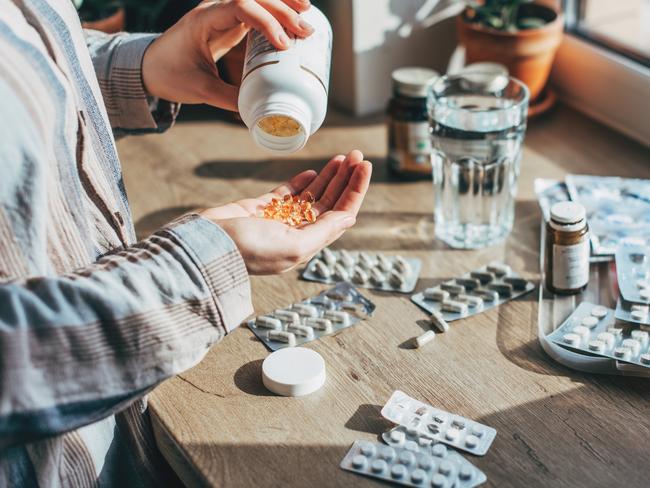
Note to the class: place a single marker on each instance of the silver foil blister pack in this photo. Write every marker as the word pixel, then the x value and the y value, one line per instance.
pixel 377 271
pixel 411 440
pixel 635 313
pixel 633 273
pixel 404 467
pixel 448 428
pixel 474 292
pixel 334 309
pixel 591 329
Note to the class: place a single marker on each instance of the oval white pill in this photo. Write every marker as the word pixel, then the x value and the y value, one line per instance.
pixel 359 276
pixel 398 471
pixel 645 294
pixel 638 315
pixel 645 358
pixel 615 332
pixel 366 260
pixel 438 321
pixel 465 472
pixel 367 449
pixel 452 434
pixel 633 344
pixel 418 476
pixel 411 446
pixel 397 436
pixel 328 256
pixel 596 346
pixel 582 331
pixel 641 336
pixel 340 272
pixel 571 339
pixel 377 277
pixel 607 338
pixel 295 371
pixel 471 441
pixel 359 461
pixel 624 353
pixel 435 294
pixel 642 284
pixel 639 307
pixel 477 431
pixel 378 466
pixel 424 462
pixel 406 458
pixel 346 258
pixel 438 481
pixel 268 322
pixel 387 453
pixel 589 321
pixel 384 263
pixel 445 467
pixel 401 265
pixel 439 450
pixel 599 311
pixel 428 336
pixel 319 268
pixel 282 336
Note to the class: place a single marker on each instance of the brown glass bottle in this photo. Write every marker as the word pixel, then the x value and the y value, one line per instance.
pixel 409 139
pixel 567 249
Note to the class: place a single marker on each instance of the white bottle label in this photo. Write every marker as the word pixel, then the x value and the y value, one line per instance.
pixel 571 265
pixel 313 52
pixel 419 139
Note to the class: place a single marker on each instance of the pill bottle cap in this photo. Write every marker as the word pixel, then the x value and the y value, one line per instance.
pixel 568 213
pixel 413 81
pixel 293 371
pixel 287 106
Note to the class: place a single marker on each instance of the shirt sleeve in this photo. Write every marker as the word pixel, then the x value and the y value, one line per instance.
pixel 78 347
pixel 117 59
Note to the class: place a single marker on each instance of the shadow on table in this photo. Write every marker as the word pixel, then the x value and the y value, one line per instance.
pixel 281 169
pixel 151 222
pixel 367 418
pixel 248 378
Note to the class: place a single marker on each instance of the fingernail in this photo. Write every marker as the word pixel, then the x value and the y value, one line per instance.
pixel 305 26
pixel 283 39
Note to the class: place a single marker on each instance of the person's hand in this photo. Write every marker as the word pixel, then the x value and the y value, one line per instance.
pixel 179 66
pixel 269 246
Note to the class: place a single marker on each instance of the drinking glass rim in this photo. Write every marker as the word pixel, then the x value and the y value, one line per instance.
pixel 511 79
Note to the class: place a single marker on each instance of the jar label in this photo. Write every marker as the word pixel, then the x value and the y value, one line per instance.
pixel 571 265
pixel 410 146
pixel 313 52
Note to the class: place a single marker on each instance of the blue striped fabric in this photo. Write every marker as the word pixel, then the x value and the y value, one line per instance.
pixel 90 319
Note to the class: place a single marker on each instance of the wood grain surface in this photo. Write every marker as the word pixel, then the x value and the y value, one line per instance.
pixel 218 425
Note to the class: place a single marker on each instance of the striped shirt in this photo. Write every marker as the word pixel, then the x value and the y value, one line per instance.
pixel 90 319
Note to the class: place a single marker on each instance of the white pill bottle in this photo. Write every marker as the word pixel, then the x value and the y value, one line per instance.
pixel 283 94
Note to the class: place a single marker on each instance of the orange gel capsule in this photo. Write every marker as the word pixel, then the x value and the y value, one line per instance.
pixel 286 198
pixel 309 197
pixel 310 216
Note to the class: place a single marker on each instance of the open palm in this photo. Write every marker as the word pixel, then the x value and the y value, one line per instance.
pixel 270 246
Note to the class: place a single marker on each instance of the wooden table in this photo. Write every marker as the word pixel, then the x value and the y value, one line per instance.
pixel 217 425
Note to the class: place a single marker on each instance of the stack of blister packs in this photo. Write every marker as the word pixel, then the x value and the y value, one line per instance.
pixel 423 449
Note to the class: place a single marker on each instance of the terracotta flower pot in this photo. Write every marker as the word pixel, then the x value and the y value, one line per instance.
pixel 528 54
pixel 111 24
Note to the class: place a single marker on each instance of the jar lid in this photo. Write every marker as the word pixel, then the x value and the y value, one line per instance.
pixel 568 212
pixel 413 81
pixel 293 371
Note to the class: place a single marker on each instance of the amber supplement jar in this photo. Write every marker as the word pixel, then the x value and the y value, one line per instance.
pixel 409 137
pixel 567 249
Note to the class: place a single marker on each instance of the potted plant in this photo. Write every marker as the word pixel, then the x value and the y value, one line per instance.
pixel 520 34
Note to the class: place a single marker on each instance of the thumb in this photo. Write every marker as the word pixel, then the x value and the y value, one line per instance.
pixel 219 93
pixel 326 229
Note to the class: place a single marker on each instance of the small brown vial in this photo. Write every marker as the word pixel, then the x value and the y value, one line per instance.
pixel 567 249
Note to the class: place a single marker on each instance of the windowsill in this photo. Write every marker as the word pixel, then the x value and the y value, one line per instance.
pixel 605 86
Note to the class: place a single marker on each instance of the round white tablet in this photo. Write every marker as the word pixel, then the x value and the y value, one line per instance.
pixel 599 311
pixel 293 371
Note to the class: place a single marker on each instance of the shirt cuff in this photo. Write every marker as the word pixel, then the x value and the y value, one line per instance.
pixel 129 106
pixel 220 263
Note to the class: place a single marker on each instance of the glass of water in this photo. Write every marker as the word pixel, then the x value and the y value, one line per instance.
pixel 478 121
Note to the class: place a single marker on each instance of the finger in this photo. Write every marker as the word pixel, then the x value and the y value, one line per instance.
pixel 254 15
pixel 339 182
pixel 355 191
pixel 298 5
pixel 288 17
pixel 318 186
pixel 220 44
pixel 324 231
pixel 218 93
pixel 292 187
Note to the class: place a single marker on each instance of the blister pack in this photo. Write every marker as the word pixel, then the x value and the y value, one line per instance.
pixel 377 271
pixel 474 292
pixel 335 309
pixel 404 467
pixel 590 328
pixel 448 428
pixel 410 440
pixel 633 273
pixel 618 210
pixel 635 313
pixel 550 192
